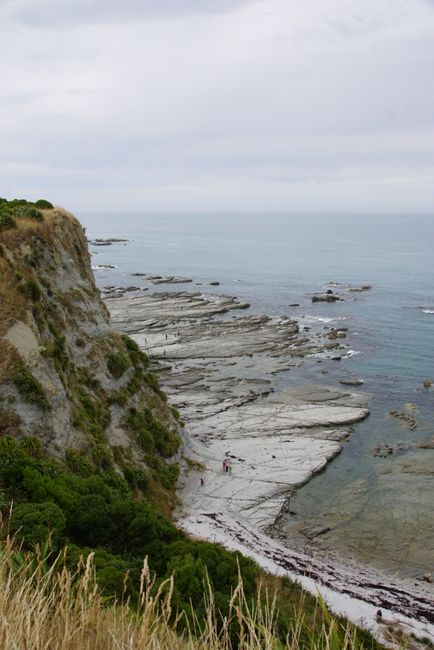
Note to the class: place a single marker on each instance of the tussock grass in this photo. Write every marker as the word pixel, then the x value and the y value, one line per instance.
pixel 48 607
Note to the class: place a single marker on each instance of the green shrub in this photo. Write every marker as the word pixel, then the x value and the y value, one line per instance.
pixel 39 316
pixel 43 204
pixel 33 522
pixel 137 357
pixel 117 364
pixel 135 383
pixel 30 389
pixel 100 514
pixel 55 349
pixel 102 456
pixel 31 289
pixel 32 213
pixel 7 221
pixel 32 446
pixel 152 382
pixel 78 462
pixel 136 478
pixel 117 397
pixel 145 440
pixel 10 211
pixel 151 433
pixel 166 474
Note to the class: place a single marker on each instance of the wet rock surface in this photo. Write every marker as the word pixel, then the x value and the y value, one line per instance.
pixel 218 368
pixel 106 242
pixel 351 381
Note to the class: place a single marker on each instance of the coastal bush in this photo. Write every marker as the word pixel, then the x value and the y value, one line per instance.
pixel 117 397
pixel 137 357
pixel 135 383
pixel 166 474
pixel 151 433
pixel 55 349
pixel 68 606
pixel 102 456
pixel 117 364
pixel 43 204
pixel 32 446
pixel 29 212
pixel 136 478
pixel 39 317
pixel 7 221
pixel 78 462
pixel 15 209
pixel 152 382
pixel 30 388
pixel 112 528
pixel 98 512
pixel 9 421
pixel 33 523
pixel 92 415
pixel 30 288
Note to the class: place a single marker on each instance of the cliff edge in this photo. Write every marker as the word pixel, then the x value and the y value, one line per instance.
pixel 66 378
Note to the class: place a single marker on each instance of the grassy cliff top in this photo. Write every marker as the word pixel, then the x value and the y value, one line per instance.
pixel 12 212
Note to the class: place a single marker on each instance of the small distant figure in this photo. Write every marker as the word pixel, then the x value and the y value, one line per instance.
pixel 202 482
pixel 164 353
pixel 229 468
pixel 166 337
pixel 225 464
pixel 379 616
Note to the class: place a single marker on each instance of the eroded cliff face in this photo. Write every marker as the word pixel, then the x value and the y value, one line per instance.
pixel 65 376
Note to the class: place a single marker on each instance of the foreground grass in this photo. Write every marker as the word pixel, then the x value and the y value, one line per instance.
pixel 49 607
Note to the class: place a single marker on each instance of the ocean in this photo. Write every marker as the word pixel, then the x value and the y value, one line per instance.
pixel 377 504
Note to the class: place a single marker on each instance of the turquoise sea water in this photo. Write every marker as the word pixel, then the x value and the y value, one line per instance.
pixel 379 510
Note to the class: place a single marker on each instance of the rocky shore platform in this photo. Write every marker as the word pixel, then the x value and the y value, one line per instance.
pixel 218 372
pixel 246 447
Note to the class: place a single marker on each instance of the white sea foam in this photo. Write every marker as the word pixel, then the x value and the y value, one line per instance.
pixel 324 319
pixel 102 267
pixel 352 353
pixel 428 311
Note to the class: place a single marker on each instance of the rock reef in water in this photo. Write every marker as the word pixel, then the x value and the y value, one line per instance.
pixel 328 297
pixel 351 381
pixel 171 279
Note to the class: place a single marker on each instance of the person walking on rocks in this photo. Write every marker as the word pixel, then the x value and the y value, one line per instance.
pixel 202 482
pixel 224 465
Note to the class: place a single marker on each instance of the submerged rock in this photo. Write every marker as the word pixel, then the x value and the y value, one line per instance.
pixel 172 279
pixel 351 381
pixel 314 531
pixel 326 298
pixel 426 444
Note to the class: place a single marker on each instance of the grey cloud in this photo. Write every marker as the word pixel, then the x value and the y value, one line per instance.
pixel 255 108
pixel 73 13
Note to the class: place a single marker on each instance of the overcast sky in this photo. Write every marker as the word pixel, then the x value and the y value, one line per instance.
pixel 276 105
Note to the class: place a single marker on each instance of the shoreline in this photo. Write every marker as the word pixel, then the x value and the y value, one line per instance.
pixel 217 369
